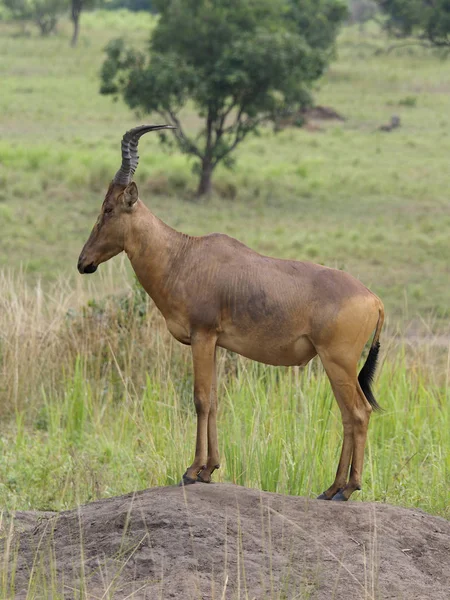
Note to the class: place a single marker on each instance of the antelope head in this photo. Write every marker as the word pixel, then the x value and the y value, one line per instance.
pixel 108 235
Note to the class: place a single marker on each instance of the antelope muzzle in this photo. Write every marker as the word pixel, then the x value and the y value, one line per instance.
pixel 84 268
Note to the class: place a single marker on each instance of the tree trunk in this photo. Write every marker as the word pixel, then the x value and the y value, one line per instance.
pixel 77 6
pixel 46 25
pixel 204 186
pixel 76 23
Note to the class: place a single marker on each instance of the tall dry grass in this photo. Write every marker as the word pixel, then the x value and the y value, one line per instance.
pixel 96 400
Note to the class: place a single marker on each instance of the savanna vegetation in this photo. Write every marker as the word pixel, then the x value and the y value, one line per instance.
pixel 95 396
pixel 428 22
pixel 238 64
pixel 101 404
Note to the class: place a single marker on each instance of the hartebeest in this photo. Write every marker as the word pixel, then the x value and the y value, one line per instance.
pixel 215 291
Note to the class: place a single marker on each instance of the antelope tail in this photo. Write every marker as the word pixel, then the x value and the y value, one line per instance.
pixel 367 373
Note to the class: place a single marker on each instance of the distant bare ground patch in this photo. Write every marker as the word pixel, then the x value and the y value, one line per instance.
pixel 228 542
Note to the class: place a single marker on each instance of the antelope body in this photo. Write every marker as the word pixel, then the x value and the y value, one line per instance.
pixel 215 291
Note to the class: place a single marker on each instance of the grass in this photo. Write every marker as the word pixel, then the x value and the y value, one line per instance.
pixel 349 196
pixel 100 403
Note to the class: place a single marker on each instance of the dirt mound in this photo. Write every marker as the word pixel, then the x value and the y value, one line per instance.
pixel 308 118
pixel 223 541
pixel 322 113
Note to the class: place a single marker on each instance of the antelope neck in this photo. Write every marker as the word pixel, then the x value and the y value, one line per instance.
pixel 152 246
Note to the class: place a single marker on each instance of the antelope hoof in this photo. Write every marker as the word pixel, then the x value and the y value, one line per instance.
pixel 323 497
pixel 339 497
pixel 205 474
pixel 186 480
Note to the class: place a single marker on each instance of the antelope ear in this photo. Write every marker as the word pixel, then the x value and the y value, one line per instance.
pixel 130 195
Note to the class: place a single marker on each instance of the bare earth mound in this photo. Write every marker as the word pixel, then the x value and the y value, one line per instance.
pixel 222 541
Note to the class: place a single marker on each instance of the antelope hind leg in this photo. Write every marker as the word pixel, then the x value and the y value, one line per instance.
pixel 355 411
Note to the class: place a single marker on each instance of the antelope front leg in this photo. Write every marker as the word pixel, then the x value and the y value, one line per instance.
pixel 203 345
pixel 213 445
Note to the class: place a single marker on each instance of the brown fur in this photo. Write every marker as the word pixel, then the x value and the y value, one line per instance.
pixel 215 291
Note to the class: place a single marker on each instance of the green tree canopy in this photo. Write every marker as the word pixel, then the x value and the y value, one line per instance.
pixel 241 62
pixel 428 20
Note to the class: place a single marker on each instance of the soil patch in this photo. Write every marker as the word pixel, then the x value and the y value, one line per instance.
pixel 322 113
pixel 308 118
pixel 222 541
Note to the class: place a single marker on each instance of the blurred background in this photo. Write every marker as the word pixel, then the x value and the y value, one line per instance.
pixel 308 129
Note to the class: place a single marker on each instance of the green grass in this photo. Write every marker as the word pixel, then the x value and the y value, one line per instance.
pixel 349 196
pixel 83 445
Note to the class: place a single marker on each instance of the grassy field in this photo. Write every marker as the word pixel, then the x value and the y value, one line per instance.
pixel 96 397
pixel 102 404
pixel 349 196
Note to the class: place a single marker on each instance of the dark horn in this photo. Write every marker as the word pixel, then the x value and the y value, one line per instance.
pixel 130 157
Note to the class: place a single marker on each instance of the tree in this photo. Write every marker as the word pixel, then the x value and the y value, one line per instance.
pixel 362 11
pixel 75 12
pixel 241 62
pixel 44 13
pixel 76 7
pixel 17 10
pixel 428 20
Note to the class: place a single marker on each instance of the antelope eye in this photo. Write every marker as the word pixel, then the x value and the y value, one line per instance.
pixel 108 209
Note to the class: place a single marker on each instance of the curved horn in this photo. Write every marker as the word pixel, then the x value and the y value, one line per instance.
pixel 130 157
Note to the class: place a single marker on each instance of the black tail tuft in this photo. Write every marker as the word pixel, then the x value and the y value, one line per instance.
pixel 367 373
